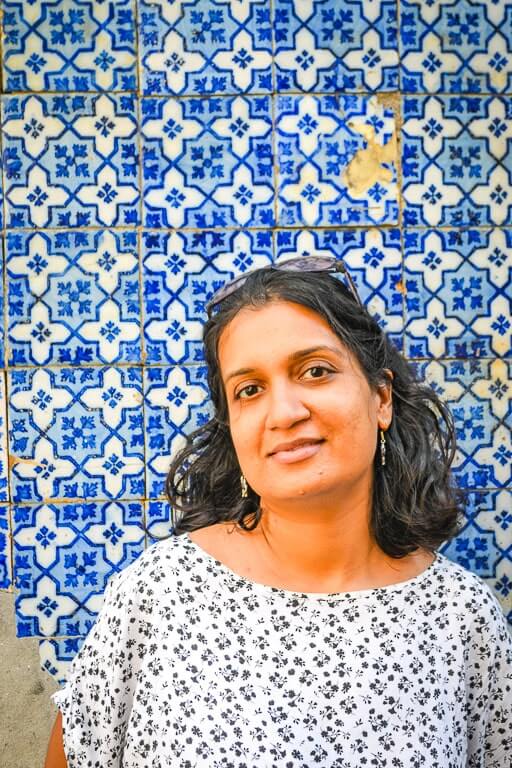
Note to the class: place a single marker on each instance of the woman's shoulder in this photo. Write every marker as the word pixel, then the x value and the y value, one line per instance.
pixel 165 562
pixel 468 596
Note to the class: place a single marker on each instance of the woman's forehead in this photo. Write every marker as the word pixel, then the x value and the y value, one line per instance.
pixel 276 328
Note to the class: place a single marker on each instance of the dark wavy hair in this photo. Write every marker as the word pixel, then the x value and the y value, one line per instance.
pixel 414 500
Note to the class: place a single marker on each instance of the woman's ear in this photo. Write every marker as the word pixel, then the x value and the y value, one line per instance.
pixel 385 401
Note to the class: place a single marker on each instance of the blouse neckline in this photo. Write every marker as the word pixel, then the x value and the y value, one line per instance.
pixel 232 576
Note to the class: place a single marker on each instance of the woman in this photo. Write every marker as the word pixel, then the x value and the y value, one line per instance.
pixel 302 617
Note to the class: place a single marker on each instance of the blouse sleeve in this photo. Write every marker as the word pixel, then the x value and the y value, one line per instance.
pixel 489 688
pixel 95 702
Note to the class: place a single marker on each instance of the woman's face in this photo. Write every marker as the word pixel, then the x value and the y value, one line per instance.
pixel 303 419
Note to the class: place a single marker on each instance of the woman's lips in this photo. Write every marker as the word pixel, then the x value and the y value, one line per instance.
pixel 299 453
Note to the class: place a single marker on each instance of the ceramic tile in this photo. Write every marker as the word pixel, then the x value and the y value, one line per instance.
pixel 207 162
pixel 204 47
pixel 456 160
pixel 176 403
pixel 63 557
pixel 462 47
pixel 1 196
pixel 333 46
pixel 55 656
pixel 4 459
pixel 2 306
pixel 69 46
pixel 181 270
pixel 457 286
pixel 336 161
pixel 478 393
pixel 5 548
pixel 484 545
pixel 73 297
pixel 158 519
pixel 374 259
pixel 70 160
pixel 76 433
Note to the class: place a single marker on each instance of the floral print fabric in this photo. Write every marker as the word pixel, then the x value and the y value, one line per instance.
pixel 190 664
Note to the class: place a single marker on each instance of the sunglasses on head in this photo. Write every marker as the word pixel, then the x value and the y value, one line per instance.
pixel 300 264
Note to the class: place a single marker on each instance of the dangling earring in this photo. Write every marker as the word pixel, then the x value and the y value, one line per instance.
pixel 243 483
pixel 382 448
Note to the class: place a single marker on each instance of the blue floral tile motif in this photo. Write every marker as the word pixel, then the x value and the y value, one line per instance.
pixel 5 548
pixel 373 258
pixel 176 403
pixel 207 162
pixel 73 297
pixel 1 200
pixel 458 293
pixel 181 270
pixel 203 47
pixel 70 160
pixel 56 656
pixel 63 557
pixel 457 160
pixel 336 161
pixel 484 545
pixel 4 460
pixel 76 433
pixel 479 394
pixel 68 45
pixel 456 47
pixel 2 325
pixel 326 45
pixel 158 519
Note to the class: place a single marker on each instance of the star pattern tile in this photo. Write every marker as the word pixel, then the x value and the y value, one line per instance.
pixel 64 556
pixel 67 45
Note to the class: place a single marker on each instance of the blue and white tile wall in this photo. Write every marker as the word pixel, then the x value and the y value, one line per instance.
pixel 153 149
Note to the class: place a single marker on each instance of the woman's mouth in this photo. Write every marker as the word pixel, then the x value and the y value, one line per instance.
pixel 298 451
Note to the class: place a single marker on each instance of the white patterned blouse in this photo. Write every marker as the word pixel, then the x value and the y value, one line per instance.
pixel 190 665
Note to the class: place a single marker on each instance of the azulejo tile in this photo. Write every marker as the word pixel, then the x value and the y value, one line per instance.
pixel 456 160
pixel 70 160
pixel 64 555
pixel 176 403
pixel 1 200
pixel 373 258
pixel 336 161
pixel 484 545
pixel 457 293
pixel 208 162
pixel 478 393
pixel 332 46
pixel 68 45
pixel 205 47
pixel 4 459
pixel 56 656
pixel 76 433
pixel 2 324
pixel 159 522
pixel 73 297
pixel 5 548
pixel 181 270
pixel 462 47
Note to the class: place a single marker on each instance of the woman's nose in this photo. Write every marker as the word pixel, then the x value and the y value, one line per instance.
pixel 285 407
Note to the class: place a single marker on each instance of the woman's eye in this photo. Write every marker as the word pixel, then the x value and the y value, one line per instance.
pixel 317 371
pixel 245 392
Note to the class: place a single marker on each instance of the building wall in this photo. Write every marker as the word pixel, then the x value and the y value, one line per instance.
pixel 153 150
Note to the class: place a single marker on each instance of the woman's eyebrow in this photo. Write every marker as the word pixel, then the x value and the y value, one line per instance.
pixel 293 358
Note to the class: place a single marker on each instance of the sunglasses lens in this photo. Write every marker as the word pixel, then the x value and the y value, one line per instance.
pixel 299 264
pixel 308 264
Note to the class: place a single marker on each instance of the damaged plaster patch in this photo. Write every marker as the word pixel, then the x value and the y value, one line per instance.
pixel 367 166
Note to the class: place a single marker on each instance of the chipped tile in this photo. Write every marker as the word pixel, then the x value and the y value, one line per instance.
pixel 336 161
